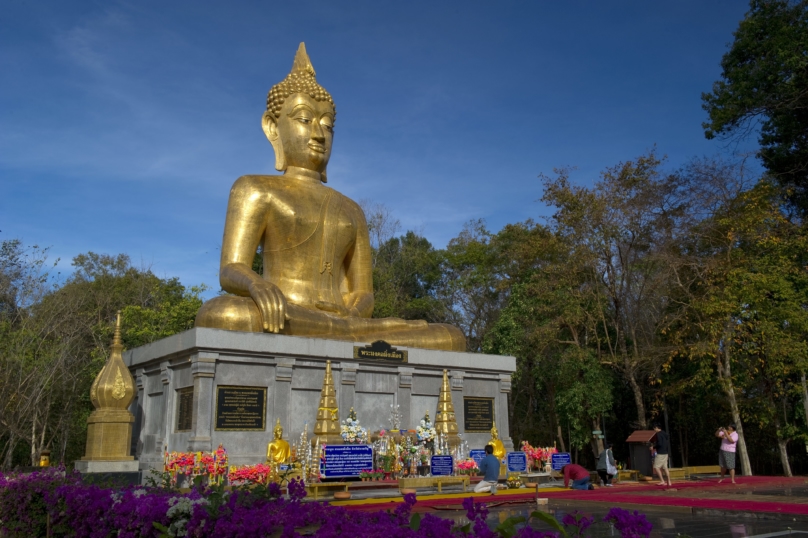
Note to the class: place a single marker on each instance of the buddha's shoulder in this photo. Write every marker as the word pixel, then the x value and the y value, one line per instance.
pixel 254 182
pixel 347 203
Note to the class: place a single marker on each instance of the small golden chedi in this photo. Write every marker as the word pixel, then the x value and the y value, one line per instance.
pixel 318 278
pixel 109 427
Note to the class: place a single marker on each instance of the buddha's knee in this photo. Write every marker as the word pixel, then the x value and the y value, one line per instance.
pixel 454 336
pixel 230 312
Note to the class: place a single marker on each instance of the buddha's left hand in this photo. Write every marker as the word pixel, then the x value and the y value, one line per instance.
pixel 339 310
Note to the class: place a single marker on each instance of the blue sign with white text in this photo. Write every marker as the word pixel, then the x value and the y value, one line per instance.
pixel 516 462
pixel 560 460
pixel 442 465
pixel 346 460
pixel 477 455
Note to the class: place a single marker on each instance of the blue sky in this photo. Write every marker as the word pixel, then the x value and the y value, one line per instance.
pixel 124 124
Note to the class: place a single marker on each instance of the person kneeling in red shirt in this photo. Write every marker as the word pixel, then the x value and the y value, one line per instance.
pixel 578 475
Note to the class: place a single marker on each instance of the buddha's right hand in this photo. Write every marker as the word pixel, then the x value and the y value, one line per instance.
pixel 271 302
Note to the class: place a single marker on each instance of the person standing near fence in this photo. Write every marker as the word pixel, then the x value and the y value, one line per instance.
pixel 726 456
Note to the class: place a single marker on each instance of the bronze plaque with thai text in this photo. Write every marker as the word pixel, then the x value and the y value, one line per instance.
pixel 241 408
pixel 478 414
pixel 185 409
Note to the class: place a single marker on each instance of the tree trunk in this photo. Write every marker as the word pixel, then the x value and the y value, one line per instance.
pixel 34 455
pixel 667 430
pixel 682 449
pixel 725 377
pixel 782 443
pixel 560 434
pixel 804 395
pixel 8 460
pixel 596 442
pixel 637 391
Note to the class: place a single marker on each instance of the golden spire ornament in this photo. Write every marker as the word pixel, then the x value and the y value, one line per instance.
pixel 109 427
pixel 445 421
pixel 327 425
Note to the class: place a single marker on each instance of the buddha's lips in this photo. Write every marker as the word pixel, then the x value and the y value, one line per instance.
pixel 319 148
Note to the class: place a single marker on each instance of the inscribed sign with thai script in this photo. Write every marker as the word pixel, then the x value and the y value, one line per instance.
pixel 185 409
pixel 560 460
pixel 343 461
pixel 442 465
pixel 516 462
pixel 478 414
pixel 241 408
pixel 380 350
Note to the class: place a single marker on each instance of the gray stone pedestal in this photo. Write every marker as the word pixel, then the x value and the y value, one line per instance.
pixel 178 380
pixel 107 466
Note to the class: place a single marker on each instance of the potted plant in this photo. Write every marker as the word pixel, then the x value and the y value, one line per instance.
pixel 387 461
pixel 423 468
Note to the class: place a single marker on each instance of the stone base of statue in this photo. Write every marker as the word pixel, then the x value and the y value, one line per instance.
pixel 84 467
pixel 110 473
pixel 206 387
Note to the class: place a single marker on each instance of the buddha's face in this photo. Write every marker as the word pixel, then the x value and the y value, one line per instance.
pixel 303 132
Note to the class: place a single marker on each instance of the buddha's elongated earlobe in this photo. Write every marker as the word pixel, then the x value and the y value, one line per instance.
pixel 271 131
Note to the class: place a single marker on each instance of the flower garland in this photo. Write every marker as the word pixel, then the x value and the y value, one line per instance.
pixel 537 455
pixel 250 474
pixel 213 464
pixel 351 431
pixel 425 430
pixel 467 466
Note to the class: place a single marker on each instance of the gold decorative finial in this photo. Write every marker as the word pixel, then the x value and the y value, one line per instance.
pixel 116 337
pixel 109 427
pixel 302 63
pixel 445 420
pixel 327 424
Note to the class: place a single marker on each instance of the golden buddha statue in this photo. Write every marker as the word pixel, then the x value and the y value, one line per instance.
pixel 499 448
pixel 278 450
pixel 317 278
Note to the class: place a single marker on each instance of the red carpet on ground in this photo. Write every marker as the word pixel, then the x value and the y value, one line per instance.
pixel 633 494
pixel 637 494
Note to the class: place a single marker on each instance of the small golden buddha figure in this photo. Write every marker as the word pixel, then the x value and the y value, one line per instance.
pixel 499 448
pixel 317 279
pixel 278 450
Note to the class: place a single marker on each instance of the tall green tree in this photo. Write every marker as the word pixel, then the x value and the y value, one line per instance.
pixel 55 336
pixel 764 83
pixel 622 235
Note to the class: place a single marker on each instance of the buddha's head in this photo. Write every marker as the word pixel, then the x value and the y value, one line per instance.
pixel 278 431
pixel 299 120
pixel 494 432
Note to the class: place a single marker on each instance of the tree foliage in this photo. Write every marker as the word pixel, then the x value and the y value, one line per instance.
pixel 764 83
pixel 55 336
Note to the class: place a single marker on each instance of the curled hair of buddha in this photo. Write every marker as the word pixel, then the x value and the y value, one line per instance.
pixel 300 80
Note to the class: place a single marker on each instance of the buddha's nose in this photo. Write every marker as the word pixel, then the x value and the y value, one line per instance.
pixel 317 132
